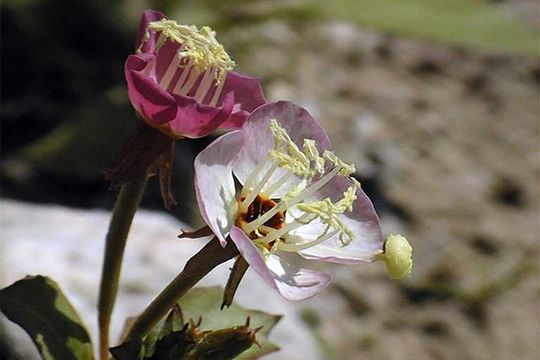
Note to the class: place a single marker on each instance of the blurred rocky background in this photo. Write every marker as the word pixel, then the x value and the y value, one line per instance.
pixel 435 101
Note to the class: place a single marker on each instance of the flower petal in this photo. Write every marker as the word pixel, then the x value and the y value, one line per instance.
pixel 156 105
pixel 362 221
pixel 248 94
pixel 214 183
pixel 195 120
pixel 280 270
pixel 259 141
pixel 147 17
pixel 164 58
pixel 235 120
pixel 251 254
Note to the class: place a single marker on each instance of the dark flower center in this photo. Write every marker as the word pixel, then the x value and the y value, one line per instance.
pixel 258 207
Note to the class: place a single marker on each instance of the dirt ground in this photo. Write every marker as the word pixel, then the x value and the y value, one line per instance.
pixel 445 141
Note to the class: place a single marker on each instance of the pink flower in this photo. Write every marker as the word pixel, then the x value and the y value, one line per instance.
pixel 298 201
pixel 180 80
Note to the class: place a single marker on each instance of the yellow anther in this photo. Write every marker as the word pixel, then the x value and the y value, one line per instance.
pixel 397 256
pixel 328 212
pixel 306 163
pixel 280 135
pixel 355 182
pixel 284 160
pixel 287 154
pixel 312 153
pixel 344 168
pixel 199 46
pixel 349 196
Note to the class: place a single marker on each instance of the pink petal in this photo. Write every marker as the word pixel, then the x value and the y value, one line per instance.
pixel 248 94
pixel 195 120
pixel 186 117
pixel 164 57
pixel 363 221
pixel 156 105
pixel 280 270
pixel 214 183
pixel 147 17
pixel 235 120
pixel 298 123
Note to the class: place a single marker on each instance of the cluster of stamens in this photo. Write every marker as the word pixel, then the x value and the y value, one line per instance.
pixel 262 215
pixel 199 55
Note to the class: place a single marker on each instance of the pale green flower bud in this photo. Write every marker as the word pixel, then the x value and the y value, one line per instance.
pixel 397 256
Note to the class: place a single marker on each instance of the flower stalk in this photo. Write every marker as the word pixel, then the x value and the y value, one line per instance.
pixel 125 207
pixel 210 256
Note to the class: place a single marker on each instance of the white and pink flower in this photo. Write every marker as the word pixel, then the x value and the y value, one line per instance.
pixel 297 200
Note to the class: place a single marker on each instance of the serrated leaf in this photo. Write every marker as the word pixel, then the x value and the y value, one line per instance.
pixel 37 304
pixel 206 302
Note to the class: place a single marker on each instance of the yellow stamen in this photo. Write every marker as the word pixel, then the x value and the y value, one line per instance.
pixel 328 212
pixel 200 46
pixel 305 163
pixel 344 168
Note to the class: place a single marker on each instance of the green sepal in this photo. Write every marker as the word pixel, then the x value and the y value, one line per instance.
pixel 206 303
pixel 237 273
pixel 223 344
pixel 130 350
pixel 216 335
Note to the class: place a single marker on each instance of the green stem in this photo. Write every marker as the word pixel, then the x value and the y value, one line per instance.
pixel 210 256
pixel 125 207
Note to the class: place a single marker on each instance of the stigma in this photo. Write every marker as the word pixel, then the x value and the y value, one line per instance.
pixel 273 207
pixel 397 256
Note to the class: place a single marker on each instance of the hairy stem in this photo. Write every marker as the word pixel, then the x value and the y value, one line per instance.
pixel 125 207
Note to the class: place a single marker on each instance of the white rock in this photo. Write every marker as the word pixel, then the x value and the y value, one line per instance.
pixel 67 245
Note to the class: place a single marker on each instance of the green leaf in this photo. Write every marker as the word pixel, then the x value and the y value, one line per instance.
pixel 37 304
pixel 206 303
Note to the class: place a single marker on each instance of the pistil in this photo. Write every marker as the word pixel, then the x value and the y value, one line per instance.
pixel 295 247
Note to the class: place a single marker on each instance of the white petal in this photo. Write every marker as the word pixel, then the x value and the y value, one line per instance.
pixel 282 271
pixel 362 221
pixel 259 141
pixel 214 183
